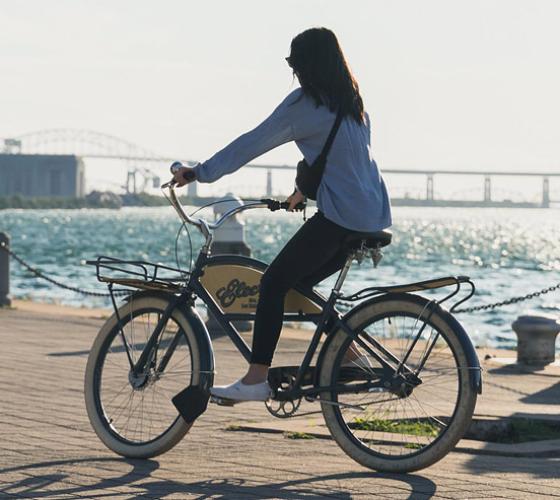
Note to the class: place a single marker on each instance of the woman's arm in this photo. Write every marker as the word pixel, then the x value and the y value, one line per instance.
pixel 277 129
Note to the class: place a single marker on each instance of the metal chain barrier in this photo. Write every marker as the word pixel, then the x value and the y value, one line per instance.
pixel 513 300
pixel 39 274
pixel 484 307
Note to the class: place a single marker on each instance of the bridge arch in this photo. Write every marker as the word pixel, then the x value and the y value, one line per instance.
pixel 82 142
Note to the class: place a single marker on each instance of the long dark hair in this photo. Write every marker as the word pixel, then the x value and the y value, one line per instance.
pixel 323 73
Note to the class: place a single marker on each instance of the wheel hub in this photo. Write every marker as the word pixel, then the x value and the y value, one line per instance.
pixel 400 385
pixel 138 381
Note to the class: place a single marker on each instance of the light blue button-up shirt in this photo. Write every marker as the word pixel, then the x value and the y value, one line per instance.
pixel 352 192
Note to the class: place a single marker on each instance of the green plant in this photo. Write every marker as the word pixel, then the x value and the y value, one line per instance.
pixel 233 427
pixel 297 435
pixel 411 427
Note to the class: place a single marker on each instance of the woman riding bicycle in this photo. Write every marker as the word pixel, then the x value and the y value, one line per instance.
pixel 352 196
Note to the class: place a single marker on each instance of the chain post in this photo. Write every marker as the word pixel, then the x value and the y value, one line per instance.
pixel 5 300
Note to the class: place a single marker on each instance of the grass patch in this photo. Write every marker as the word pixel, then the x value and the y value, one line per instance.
pixel 298 435
pixel 233 427
pixel 412 428
pixel 412 446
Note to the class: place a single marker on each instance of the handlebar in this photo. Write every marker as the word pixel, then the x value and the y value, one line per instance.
pixel 206 227
pixel 274 205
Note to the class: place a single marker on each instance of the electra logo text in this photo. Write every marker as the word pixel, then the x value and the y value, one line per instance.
pixel 235 289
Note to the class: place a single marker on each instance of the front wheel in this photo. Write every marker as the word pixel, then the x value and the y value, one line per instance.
pixel 407 426
pixel 133 414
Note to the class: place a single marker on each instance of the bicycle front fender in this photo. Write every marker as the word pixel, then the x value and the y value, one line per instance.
pixel 206 351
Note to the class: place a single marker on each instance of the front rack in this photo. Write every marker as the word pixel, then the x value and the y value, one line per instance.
pixel 139 274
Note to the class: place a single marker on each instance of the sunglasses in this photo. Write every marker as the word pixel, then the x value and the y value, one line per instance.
pixel 288 60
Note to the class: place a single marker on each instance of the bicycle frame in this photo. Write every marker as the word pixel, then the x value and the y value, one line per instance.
pixel 327 318
pixel 302 305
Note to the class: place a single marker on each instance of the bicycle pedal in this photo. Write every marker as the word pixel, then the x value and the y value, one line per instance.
pixel 222 401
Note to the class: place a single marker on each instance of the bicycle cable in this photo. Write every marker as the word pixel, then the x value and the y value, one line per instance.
pixel 184 225
pixel 221 201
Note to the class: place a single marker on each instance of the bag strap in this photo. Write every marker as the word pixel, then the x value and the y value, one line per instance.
pixel 332 134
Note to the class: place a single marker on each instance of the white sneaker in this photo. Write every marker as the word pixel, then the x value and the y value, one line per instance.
pixel 359 362
pixel 238 391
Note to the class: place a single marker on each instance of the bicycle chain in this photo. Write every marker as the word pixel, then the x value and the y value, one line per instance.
pixel 40 274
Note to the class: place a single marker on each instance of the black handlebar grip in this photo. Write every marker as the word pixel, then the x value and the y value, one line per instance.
pixel 285 205
pixel 274 205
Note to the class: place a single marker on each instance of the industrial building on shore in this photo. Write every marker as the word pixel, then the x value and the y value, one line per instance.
pixel 42 175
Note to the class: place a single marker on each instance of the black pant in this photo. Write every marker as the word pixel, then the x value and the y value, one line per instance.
pixel 315 252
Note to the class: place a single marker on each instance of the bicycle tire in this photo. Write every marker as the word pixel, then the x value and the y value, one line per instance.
pixel 100 421
pixel 420 455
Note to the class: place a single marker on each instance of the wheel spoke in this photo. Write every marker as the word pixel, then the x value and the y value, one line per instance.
pixel 143 413
pixel 404 419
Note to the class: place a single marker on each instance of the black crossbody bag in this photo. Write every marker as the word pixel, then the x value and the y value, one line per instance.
pixel 308 177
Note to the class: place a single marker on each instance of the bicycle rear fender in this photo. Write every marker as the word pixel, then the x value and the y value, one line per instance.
pixel 475 371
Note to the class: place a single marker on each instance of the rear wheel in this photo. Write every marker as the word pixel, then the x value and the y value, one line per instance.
pixel 406 426
pixel 133 414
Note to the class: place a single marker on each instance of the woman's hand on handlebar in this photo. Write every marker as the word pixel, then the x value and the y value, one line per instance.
pixel 296 198
pixel 184 175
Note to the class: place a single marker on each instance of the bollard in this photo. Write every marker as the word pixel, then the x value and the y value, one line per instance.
pixel 536 339
pixel 229 238
pixel 5 300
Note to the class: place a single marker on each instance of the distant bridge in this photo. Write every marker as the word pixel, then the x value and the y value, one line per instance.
pixel 91 144
pixel 84 143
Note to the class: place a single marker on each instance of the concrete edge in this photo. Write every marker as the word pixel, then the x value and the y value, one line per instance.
pixel 543 449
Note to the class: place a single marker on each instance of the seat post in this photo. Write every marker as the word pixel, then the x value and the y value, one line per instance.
pixel 343 273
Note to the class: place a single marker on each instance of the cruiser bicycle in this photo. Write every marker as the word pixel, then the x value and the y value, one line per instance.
pixel 402 407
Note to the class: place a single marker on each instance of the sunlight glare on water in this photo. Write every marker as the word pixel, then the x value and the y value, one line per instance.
pixel 507 252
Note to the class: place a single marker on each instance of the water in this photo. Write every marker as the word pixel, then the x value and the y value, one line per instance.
pixel 507 252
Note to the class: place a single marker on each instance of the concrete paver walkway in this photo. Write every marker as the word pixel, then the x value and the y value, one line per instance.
pixel 48 450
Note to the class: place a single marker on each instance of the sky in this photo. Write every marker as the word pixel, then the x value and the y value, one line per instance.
pixel 449 84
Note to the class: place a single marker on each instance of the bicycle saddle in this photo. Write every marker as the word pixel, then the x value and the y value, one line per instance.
pixel 376 239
